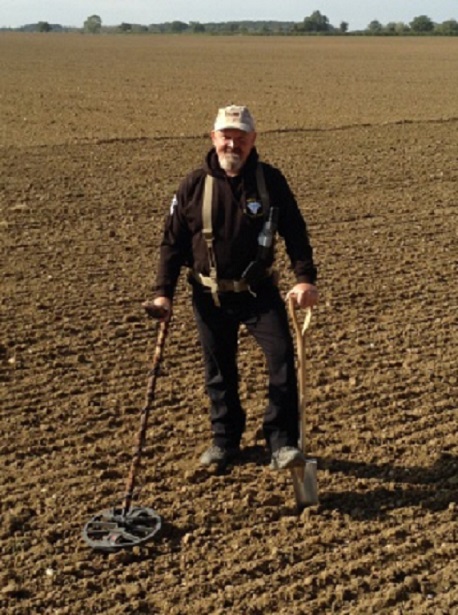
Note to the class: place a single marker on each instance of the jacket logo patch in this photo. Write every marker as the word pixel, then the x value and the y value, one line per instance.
pixel 254 208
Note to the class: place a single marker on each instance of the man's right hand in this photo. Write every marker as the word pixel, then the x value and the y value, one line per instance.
pixel 159 308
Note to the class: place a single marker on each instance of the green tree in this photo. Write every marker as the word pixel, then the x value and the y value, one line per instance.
pixel 449 27
pixel 43 26
pixel 316 22
pixel 422 23
pixel 343 27
pixel 93 24
pixel 178 26
pixel 401 27
pixel 138 28
pixel 375 27
pixel 390 27
pixel 197 27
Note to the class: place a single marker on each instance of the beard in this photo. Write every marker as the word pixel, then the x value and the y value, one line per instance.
pixel 230 161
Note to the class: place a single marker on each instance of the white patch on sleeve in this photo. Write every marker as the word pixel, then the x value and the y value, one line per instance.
pixel 173 204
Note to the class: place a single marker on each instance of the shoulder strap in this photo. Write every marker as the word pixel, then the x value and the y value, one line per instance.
pixel 261 182
pixel 207 232
pixel 207 226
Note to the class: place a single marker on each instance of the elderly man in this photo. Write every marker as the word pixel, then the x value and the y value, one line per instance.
pixel 222 226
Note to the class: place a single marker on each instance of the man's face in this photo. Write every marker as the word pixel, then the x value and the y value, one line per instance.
pixel 233 147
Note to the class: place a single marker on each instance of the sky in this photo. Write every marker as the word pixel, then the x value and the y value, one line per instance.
pixel 357 13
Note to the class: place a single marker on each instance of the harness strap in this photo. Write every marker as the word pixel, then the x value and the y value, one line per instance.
pixel 261 182
pixel 223 286
pixel 212 281
pixel 234 286
pixel 207 231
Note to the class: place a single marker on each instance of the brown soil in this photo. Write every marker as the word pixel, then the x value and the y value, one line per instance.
pixel 98 132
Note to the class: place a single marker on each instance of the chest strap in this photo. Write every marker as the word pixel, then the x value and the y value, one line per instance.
pixel 222 286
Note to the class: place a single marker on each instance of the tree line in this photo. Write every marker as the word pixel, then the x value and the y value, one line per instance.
pixel 314 24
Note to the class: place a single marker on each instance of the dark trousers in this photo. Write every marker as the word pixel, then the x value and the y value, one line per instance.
pixel 266 319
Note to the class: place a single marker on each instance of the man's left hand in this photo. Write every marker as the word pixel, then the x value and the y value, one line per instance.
pixel 305 295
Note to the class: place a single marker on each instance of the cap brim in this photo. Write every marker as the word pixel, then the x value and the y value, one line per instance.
pixel 243 127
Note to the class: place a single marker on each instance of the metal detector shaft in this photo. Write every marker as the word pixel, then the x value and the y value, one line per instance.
pixel 149 398
pixel 121 528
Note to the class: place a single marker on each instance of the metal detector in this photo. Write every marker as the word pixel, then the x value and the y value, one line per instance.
pixel 129 526
pixel 304 478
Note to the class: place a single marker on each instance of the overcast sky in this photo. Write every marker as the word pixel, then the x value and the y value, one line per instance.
pixel 358 13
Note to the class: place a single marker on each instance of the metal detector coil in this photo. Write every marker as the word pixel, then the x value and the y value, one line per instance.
pixel 111 530
pixel 120 528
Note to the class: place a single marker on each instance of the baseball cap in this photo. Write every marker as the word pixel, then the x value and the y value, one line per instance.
pixel 234 116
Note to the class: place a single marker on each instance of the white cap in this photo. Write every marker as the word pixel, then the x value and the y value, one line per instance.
pixel 234 116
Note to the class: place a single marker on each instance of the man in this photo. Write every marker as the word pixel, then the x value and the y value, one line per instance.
pixel 221 226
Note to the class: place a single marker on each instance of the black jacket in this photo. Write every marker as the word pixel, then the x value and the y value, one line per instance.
pixel 235 228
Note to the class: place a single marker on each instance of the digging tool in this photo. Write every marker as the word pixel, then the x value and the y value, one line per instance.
pixel 304 479
pixel 128 526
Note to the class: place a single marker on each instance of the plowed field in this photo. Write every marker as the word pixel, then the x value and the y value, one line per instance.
pixel 96 134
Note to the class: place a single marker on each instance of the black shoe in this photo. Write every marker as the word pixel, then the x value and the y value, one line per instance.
pixel 218 456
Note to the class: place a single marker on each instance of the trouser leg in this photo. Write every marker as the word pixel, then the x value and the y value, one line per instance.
pixel 271 331
pixel 218 333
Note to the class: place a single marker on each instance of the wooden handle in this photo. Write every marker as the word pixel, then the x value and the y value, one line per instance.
pixel 300 331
